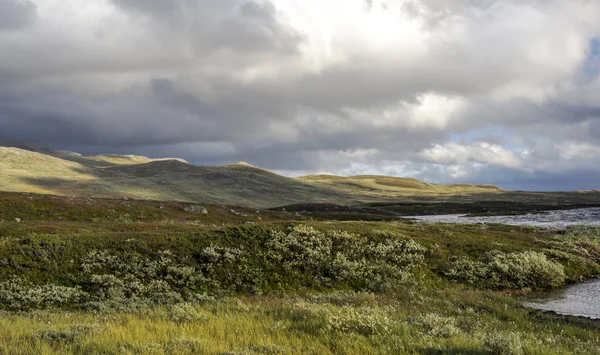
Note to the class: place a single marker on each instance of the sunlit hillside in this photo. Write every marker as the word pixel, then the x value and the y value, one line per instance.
pixel 387 186
pixel 39 169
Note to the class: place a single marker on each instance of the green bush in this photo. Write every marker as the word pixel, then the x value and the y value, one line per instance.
pixel 504 343
pixel 19 295
pixel 303 248
pixel 498 270
pixel 271 260
pixel 436 325
pixel 337 257
pixel 364 321
pixel 134 281
pixel 186 312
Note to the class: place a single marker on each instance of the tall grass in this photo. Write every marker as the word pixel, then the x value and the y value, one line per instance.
pixel 368 324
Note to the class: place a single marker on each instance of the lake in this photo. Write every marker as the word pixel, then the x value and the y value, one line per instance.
pixel 579 300
pixel 549 219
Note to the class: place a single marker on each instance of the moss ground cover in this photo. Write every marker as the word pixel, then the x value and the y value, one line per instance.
pixel 172 282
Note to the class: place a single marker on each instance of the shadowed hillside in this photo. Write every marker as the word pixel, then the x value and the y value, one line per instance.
pixel 171 179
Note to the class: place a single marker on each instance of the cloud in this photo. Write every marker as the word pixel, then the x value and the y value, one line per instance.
pixel 457 154
pixel 312 86
pixel 16 14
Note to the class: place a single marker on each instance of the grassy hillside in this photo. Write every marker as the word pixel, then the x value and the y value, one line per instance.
pixel 115 159
pixel 156 179
pixel 21 169
pixel 89 276
pixel 231 184
pixel 34 168
pixel 387 186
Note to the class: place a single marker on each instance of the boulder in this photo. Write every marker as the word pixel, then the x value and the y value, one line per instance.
pixel 196 209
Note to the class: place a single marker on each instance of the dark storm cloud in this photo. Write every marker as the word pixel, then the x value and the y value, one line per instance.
pixel 243 25
pixel 16 14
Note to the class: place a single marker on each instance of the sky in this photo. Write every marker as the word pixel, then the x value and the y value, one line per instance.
pixel 504 92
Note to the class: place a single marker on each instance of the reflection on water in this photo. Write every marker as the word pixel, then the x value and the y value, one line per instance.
pixel 579 300
pixel 551 219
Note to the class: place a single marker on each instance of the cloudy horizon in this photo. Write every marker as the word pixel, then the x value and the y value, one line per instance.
pixel 503 92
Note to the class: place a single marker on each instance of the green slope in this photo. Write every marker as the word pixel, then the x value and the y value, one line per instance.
pixel 388 186
pixel 157 179
pixel 21 170
pixel 26 167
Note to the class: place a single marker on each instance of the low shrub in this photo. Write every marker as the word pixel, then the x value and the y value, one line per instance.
pixel 303 248
pixel 498 270
pixel 185 313
pixel 338 257
pixel 19 295
pixel 504 343
pixel 57 336
pixel 364 321
pixel 436 325
pixel 133 280
pixel 272 260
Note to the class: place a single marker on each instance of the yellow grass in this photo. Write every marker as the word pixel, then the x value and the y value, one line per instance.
pixel 393 186
pixel 261 325
pixel 115 159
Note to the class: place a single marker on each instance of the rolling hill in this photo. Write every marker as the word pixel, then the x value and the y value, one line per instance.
pixel 26 167
pixel 387 186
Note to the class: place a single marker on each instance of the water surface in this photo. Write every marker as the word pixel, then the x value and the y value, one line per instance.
pixel 581 300
pixel 550 219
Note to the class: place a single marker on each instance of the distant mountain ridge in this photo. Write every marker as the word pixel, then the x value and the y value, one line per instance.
pixel 27 167
pixel 385 185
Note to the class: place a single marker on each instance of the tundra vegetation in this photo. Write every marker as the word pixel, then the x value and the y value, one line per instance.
pixel 129 277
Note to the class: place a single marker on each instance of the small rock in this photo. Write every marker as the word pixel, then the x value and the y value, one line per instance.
pixel 196 209
pixel 125 198
pixel 18 220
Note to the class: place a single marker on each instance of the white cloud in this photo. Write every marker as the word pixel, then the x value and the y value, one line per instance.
pixel 457 154
pixel 579 151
